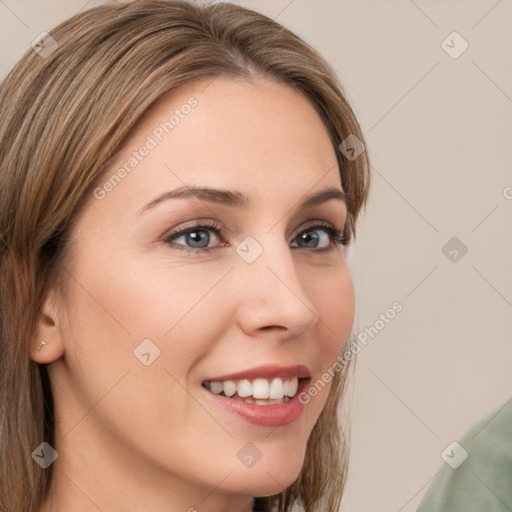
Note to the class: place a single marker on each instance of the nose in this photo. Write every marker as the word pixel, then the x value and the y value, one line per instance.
pixel 272 297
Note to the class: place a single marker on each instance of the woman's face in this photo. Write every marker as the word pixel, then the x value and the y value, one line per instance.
pixel 254 297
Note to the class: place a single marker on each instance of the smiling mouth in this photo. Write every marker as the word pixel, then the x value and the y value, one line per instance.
pixel 256 391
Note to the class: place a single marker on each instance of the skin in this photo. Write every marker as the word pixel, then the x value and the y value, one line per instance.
pixel 132 437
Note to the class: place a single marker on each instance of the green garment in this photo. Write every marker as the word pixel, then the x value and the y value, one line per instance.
pixel 483 481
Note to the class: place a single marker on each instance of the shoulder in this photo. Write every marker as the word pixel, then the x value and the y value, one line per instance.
pixel 483 481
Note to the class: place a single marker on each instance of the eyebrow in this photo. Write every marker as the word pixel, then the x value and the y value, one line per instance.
pixel 236 199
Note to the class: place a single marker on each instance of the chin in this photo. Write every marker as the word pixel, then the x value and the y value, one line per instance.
pixel 272 474
pixel 259 483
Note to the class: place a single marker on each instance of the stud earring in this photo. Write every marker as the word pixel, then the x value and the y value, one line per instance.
pixel 41 344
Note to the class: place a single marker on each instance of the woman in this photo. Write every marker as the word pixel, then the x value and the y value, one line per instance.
pixel 179 184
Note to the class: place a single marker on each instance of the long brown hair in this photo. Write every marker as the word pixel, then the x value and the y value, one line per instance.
pixel 65 112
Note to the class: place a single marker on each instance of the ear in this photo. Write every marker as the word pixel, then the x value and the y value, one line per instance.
pixel 49 331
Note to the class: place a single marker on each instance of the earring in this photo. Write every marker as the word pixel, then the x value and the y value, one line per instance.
pixel 41 344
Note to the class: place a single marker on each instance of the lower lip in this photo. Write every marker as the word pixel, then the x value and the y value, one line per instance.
pixel 277 415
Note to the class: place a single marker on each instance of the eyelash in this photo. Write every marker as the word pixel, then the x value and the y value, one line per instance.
pixel 337 237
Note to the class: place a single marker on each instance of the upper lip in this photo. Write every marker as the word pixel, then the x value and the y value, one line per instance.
pixel 267 371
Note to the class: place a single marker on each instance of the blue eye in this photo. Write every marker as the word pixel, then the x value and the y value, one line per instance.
pixel 196 239
pixel 330 237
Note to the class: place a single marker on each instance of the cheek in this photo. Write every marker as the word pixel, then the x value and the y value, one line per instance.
pixel 334 298
pixel 110 315
pixel 333 295
pixel 154 298
pixel 171 312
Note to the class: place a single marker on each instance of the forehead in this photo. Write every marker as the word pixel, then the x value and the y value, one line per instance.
pixel 223 132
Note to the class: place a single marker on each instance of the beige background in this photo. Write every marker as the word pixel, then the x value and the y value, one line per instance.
pixel 439 132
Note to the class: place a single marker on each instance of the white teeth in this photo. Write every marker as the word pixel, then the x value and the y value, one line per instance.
pixel 244 388
pixel 217 387
pixel 270 402
pixel 276 389
pixel 293 385
pixel 260 388
pixel 229 387
pixel 259 391
pixel 286 383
